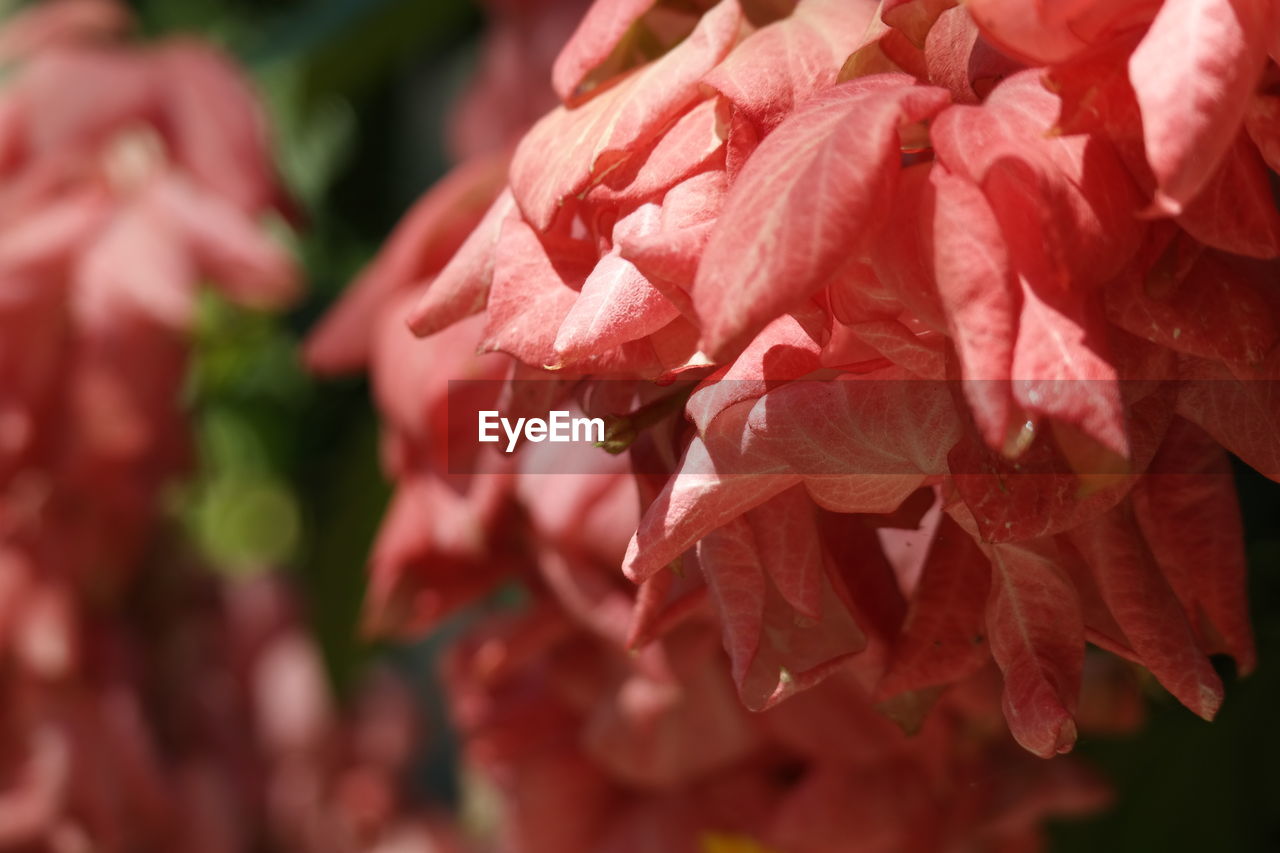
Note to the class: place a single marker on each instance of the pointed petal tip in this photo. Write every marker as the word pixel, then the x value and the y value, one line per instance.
pixel 634 566
pixel 1067 735
pixel 1210 700
pixel 1047 737
pixel 421 320
pixel 564 349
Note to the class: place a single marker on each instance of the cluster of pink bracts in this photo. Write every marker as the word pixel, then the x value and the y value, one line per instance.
pixel 924 327
pixel 1023 256
pixel 144 703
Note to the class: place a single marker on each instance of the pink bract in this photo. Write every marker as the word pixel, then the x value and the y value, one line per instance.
pixel 993 282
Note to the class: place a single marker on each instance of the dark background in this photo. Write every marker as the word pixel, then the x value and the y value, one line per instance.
pixel 358 90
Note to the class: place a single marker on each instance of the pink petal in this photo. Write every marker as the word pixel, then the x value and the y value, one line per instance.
pixel 64 23
pixel 215 125
pixel 775 650
pixel 73 97
pixel 944 638
pixel 531 296
pixel 616 305
pixel 597 36
pixel 462 287
pixel 229 246
pixel 914 18
pixel 562 155
pixel 138 265
pixel 902 256
pixel 781 65
pixel 1061 366
pixel 958 58
pixel 924 356
pixel 1193 74
pixel 708 490
pixel 1237 411
pixel 692 144
pixel 980 297
pixel 1235 211
pixel 804 201
pixel 411 376
pixel 1037 638
pixel 425 239
pixel 863 444
pixel 1038 494
pixel 1217 310
pixel 787 545
pixel 669 254
pixel 782 352
pixel 1190 515
pixel 1045 33
pixel 1146 609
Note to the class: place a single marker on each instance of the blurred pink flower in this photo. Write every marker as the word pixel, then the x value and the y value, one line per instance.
pixel 131 176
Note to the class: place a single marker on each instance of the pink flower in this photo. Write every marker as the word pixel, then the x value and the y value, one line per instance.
pixel 131 176
pixel 570 737
pixel 963 307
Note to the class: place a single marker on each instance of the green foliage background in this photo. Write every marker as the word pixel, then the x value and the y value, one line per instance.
pixel 358 90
